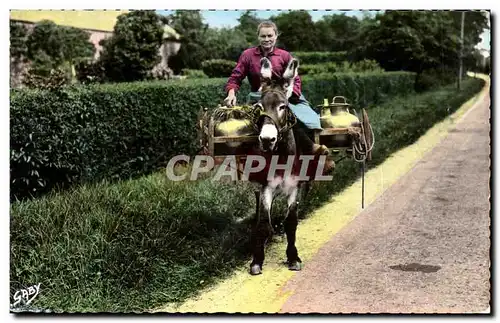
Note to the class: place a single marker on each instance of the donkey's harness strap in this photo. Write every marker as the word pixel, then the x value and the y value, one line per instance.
pixel 290 121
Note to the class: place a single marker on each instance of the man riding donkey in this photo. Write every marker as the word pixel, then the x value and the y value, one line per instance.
pixel 249 65
pixel 276 87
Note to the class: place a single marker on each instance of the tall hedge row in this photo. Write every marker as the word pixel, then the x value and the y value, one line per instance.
pixel 360 89
pixel 342 67
pixel 117 131
pixel 218 67
pixel 320 57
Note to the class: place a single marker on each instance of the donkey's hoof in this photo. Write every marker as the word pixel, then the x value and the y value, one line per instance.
pixel 295 266
pixel 255 270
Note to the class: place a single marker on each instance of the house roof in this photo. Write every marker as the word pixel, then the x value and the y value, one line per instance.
pixel 103 20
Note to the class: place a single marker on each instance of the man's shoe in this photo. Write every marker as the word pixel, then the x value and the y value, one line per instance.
pixel 329 165
pixel 320 150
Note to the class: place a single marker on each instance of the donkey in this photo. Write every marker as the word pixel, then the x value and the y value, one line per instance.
pixel 278 137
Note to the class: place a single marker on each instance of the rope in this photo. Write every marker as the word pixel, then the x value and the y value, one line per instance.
pixel 358 146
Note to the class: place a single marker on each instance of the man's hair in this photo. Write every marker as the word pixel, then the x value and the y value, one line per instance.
pixel 267 24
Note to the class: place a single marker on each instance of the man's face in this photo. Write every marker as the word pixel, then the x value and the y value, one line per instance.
pixel 267 38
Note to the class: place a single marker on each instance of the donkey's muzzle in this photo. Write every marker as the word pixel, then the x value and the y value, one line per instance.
pixel 267 143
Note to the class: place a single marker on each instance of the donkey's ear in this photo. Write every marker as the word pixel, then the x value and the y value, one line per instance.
pixel 291 71
pixel 289 76
pixel 266 69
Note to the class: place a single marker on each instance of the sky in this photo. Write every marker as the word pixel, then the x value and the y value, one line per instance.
pixel 229 18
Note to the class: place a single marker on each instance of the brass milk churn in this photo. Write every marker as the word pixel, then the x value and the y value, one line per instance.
pixel 326 115
pixel 341 116
pixel 232 122
pixel 337 115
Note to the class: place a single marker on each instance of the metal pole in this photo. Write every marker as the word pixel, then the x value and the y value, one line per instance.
pixel 363 185
pixel 461 51
pixel 257 205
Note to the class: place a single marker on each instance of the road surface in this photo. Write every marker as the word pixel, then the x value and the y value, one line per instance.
pixel 422 247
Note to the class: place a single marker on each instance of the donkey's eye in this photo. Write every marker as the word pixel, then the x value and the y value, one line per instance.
pixel 282 107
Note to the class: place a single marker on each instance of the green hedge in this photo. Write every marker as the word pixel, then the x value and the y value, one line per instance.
pixel 360 89
pixel 194 74
pixel 320 57
pixel 117 131
pixel 434 78
pixel 137 244
pixel 218 67
pixel 341 67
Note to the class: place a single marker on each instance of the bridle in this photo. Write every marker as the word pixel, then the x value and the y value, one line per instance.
pixel 260 115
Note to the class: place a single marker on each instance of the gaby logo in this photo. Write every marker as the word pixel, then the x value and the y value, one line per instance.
pixel 26 295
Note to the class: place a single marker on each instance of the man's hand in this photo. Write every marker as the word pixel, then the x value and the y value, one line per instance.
pixel 230 100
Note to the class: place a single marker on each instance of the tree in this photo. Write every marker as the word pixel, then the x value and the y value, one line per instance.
pixel 76 46
pixel 18 51
pixel 133 49
pixel 474 25
pixel 487 65
pixel 248 24
pixel 475 22
pixel 50 47
pixel 189 24
pixel 297 31
pixel 224 43
pixel 18 38
pixel 474 61
pixel 45 45
pixel 418 40
pixel 336 32
pixel 409 40
pixel 200 43
pixel 368 26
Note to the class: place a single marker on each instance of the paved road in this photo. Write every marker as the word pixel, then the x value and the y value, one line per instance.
pixel 423 246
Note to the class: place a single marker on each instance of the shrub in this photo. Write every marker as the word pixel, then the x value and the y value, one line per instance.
pixel 18 50
pixel 50 79
pixel 59 43
pixel 132 51
pixel 51 47
pixel 365 65
pixel 341 67
pixel 114 131
pixel 320 57
pixel 218 67
pixel 433 78
pixel 122 130
pixel 90 72
pixel 194 74
pixel 361 89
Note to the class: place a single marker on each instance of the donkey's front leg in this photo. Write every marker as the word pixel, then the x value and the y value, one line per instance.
pixel 293 260
pixel 262 230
